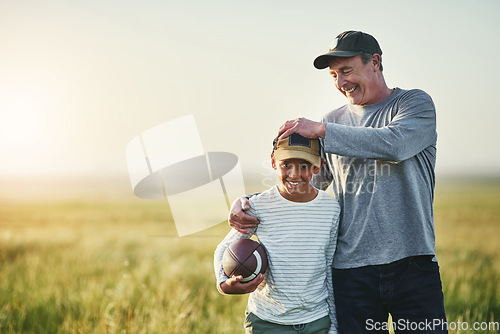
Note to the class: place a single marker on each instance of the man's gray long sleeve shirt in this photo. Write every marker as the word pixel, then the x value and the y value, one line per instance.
pixel 381 159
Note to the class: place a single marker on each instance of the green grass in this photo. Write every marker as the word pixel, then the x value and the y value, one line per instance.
pixel 467 223
pixel 117 267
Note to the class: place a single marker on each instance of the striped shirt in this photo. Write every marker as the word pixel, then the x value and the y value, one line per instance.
pixel 300 239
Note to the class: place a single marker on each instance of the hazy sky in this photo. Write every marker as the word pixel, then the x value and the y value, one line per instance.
pixel 80 79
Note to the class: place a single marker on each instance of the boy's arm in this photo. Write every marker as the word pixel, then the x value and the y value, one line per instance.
pixel 232 285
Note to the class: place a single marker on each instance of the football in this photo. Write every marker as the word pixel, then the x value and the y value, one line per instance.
pixel 244 257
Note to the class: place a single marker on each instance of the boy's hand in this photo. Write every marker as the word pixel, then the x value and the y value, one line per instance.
pixel 233 286
pixel 238 219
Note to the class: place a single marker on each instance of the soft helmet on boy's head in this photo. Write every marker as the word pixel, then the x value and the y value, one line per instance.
pixel 296 146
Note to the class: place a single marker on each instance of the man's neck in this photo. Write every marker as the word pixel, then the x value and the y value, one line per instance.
pixel 384 91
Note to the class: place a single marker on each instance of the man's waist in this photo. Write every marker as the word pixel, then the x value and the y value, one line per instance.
pixel 364 263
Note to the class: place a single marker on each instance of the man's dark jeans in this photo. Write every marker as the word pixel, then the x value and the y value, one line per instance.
pixel 409 289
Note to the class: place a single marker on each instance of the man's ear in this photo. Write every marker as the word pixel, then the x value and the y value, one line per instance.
pixel 376 61
pixel 273 161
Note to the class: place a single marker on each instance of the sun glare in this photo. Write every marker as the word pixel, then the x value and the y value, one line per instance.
pixel 21 122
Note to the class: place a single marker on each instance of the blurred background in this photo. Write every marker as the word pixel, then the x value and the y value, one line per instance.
pixel 80 79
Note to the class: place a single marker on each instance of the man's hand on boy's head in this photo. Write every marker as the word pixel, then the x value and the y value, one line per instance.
pixel 238 219
pixel 304 127
pixel 233 286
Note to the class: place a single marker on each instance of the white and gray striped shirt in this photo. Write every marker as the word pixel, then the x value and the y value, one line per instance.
pixel 300 239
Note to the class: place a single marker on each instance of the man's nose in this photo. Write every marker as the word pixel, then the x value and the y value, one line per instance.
pixel 340 81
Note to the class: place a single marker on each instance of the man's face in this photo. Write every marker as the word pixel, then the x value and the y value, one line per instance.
pixel 357 81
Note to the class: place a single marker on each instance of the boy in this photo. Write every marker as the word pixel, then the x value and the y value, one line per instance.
pixel 298 226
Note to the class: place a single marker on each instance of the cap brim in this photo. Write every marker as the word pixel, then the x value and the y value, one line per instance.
pixel 323 61
pixel 292 154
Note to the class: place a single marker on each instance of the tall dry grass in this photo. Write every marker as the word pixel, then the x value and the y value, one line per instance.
pixel 117 267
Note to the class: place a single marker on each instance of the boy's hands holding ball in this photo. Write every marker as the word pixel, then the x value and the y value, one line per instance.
pixel 233 285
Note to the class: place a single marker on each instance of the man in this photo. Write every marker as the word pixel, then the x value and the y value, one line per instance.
pixel 380 151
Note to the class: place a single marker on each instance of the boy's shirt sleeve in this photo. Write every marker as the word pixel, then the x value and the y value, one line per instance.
pixel 233 235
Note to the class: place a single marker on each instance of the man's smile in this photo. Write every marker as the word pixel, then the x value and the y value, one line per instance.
pixel 349 90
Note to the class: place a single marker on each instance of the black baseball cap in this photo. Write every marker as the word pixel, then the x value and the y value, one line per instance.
pixel 348 44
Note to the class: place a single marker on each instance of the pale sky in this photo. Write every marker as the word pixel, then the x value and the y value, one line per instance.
pixel 80 79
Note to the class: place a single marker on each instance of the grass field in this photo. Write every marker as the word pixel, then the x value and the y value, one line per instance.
pixel 94 266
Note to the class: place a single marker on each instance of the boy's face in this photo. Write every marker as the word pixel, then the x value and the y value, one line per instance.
pixel 294 176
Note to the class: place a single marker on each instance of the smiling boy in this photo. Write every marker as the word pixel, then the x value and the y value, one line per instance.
pixel 298 226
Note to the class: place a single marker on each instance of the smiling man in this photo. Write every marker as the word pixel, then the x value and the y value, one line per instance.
pixel 380 152
pixel 359 78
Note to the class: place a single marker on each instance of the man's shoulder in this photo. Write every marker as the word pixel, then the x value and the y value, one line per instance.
pixel 412 93
pixel 335 113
